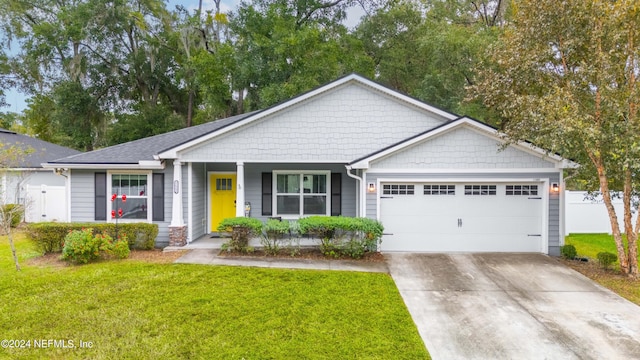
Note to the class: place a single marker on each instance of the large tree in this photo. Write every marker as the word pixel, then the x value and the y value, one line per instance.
pixel 429 49
pixel 565 75
pixel 286 47
pixel 116 57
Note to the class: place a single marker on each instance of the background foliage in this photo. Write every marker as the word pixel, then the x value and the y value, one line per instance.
pixel 102 73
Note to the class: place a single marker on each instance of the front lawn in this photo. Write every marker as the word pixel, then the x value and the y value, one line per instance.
pixel 135 309
pixel 589 245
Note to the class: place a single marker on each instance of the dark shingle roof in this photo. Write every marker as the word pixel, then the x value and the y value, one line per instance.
pixel 144 149
pixel 40 151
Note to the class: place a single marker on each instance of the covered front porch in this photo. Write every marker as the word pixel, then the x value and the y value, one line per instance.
pixel 204 193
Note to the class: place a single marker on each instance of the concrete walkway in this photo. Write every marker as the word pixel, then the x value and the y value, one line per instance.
pixel 512 306
pixel 210 257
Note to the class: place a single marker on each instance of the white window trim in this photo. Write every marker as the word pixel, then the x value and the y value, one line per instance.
pixel 274 192
pixel 149 195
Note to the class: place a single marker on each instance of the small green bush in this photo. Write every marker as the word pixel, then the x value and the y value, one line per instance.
pixel 568 252
pixel 274 232
pixel 241 229
pixel 605 259
pixel 13 213
pixel 82 246
pixel 49 236
pixel 110 248
pixel 343 236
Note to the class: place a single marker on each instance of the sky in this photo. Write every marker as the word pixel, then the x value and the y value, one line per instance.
pixel 17 100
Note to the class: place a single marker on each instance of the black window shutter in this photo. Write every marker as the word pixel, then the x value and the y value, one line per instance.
pixel 267 192
pixel 158 197
pixel 336 194
pixel 100 187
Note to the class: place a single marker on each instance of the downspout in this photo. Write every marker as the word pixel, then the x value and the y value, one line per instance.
pixel 359 187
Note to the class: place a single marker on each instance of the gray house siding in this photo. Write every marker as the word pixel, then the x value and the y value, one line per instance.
pixel 83 200
pixel 199 200
pixel 253 183
pixel 341 125
pixel 82 195
pixel 460 148
pixel 554 199
pixel 163 226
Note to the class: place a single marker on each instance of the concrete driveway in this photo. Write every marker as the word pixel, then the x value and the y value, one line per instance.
pixel 512 306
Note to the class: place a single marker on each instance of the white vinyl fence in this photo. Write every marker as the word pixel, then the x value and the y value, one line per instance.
pixel 45 203
pixel 583 215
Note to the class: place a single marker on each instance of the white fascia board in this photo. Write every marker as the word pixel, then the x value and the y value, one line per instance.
pixel 173 153
pixel 466 171
pixel 459 180
pixel 143 165
pixel 25 169
pixel 270 161
pixel 472 125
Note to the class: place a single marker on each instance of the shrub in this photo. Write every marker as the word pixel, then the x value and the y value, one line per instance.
pixel 343 236
pixel 49 236
pixel 114 249
pixel 13 213
pixel 568 252
pixel 605 259
pixel 140 236
pixel 241 229
pixel 274 231
pixel 81 247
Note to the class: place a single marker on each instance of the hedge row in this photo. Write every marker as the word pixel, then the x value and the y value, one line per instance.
pixel 338 235
pixel 343 236
pixel 49 236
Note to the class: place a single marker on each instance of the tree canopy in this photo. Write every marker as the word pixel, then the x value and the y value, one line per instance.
pixel 564 74
pixel 101 73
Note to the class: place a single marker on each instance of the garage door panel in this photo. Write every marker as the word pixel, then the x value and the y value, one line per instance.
pixel 477 218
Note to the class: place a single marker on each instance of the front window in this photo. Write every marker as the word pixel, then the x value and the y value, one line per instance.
pixel 135 187
pixel 300 194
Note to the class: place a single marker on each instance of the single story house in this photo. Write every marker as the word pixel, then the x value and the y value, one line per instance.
pixel 437 181
pixel 26 182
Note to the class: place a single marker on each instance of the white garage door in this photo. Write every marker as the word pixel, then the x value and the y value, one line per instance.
pixel 462 217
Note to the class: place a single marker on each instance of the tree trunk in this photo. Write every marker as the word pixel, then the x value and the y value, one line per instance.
pixel 629 230
pixel 241 101
pixel 613 218
pixel 190 108
pixel 13 250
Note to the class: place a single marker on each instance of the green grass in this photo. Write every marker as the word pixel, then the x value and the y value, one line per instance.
pixel 136 310
pixel 590 245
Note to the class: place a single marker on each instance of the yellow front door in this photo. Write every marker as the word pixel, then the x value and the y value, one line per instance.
pixel 222 198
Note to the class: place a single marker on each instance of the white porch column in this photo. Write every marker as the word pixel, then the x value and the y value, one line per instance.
pixel 240 189
pixel 176 213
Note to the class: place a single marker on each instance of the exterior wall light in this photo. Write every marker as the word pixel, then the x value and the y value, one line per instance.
pixel 555 187
pixel 371 187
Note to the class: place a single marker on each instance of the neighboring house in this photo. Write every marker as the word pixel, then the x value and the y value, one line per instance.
pixel 437 181
pixel 25 181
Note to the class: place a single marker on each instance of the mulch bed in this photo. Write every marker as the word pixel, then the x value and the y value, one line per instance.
pixel 304 253
pixel 155 256
pixel 593 270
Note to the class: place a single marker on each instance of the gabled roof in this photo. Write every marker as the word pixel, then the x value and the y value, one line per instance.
pixel 352 78
pixel 148 152
pixel 39 151
pixel 142 151
pixel 363 163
